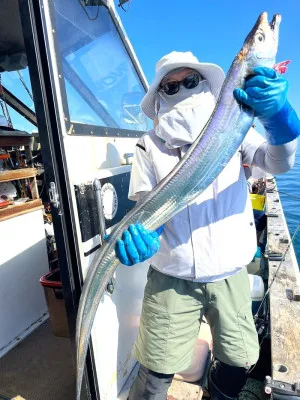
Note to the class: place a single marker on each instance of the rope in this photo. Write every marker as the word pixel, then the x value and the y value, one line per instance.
pixel 24 84
pixel 287 194
pixel 4 105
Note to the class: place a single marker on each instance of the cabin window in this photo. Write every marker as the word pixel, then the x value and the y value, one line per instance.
pixel 102 85
pixel 18 83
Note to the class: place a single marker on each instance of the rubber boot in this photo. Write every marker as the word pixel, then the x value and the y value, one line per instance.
pixel 215 392
pixel 226 381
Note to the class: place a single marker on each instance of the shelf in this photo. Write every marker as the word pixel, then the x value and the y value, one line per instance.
pixel 9 139
pixel 20 209
pixel 15 174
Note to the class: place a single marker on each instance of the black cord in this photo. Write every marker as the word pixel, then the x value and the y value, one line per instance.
pixel 83 7
pixel 121 4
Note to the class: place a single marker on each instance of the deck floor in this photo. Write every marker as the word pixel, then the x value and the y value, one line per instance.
pixel 40 366
pixel 184 390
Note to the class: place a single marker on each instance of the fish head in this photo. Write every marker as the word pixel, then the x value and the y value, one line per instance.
pixel 261 44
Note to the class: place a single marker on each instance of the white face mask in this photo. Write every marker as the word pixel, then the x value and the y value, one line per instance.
pixel 182 116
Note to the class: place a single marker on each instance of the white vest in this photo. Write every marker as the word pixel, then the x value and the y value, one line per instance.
pixel 213 237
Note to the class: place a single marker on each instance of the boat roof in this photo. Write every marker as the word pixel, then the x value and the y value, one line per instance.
pixel 12 45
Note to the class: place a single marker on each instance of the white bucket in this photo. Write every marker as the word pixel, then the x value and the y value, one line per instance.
pixel 257 290
pixel 200 358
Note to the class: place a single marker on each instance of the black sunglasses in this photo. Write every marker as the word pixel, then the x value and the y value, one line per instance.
pixel 189 82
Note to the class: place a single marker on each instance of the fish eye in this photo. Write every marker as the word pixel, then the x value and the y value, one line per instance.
pixel 260 37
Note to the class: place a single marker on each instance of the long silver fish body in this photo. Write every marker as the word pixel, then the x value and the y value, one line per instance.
pixel 202 163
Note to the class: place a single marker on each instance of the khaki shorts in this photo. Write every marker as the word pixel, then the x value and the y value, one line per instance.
pixel 171 317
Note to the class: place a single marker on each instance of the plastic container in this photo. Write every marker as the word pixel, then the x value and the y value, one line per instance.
pixel 257 290
pixel 254 267
pixel 258 201
pixel 56 303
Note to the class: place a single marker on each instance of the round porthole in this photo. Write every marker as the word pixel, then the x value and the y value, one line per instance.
pixel 109 200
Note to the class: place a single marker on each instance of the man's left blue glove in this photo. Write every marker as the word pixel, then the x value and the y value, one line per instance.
pixel 137 244
pixel 266 93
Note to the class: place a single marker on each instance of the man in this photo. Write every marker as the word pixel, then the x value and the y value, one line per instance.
pixel 198 262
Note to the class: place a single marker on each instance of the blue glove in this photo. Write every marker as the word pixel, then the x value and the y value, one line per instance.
pixel 266 93
pixel 137 244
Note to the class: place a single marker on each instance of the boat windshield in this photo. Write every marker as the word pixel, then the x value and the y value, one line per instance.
pixel 101 83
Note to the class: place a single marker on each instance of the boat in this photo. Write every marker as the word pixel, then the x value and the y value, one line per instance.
pixel 70 91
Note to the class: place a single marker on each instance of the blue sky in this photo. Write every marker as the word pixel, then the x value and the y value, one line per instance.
pixel 213 30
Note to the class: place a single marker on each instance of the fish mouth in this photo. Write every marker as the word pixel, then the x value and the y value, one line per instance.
pixel 274 24
pixel 263 19
pixel 262 25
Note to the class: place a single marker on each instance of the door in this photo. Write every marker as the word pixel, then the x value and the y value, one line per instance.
pixel 87 86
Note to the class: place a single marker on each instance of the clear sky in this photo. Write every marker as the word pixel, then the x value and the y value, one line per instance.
pixel 213 30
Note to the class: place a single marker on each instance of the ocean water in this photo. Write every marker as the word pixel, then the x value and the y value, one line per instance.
pixel 289 188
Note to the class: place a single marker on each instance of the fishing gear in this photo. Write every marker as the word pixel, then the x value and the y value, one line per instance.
pixel 262 323
pixel 287 194
pixel 277 271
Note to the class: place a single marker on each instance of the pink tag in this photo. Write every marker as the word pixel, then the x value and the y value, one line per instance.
pixel 281 67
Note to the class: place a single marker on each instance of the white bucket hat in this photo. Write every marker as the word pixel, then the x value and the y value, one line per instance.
pixel 213 74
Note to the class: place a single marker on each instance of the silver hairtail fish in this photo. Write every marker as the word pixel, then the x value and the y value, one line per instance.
pixel 202 163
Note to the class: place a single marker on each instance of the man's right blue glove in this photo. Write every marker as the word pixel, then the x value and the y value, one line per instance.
pixel 137 244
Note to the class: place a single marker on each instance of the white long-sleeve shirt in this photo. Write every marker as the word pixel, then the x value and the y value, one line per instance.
pixel 214 237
